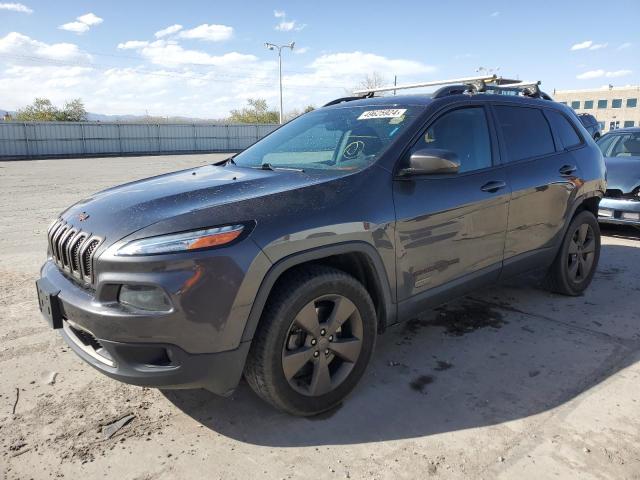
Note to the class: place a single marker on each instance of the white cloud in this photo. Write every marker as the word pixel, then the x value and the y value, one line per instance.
pixel 287 25
pixel 90 19
pixel 170 53
pixel 598 46
pixel 588 45
pixel 15 7
pixel 75 27
pixel 624 45
pixel 82 24
pixel 21 46
pixel 361 63
pixel 495 14
pixel 166 82
pixel 168 31
pixel 599 73
pixel 211 33
pixel 301 50
pixel 133 44
pixel 582 45
pixel 591 74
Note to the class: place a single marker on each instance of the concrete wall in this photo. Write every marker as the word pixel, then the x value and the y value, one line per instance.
pixel 53 139
pixel 608 114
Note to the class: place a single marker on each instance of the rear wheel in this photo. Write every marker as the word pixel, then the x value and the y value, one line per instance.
pixel 577 260
pixel 313 342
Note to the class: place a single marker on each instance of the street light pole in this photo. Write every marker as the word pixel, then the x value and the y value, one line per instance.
pixel 272 46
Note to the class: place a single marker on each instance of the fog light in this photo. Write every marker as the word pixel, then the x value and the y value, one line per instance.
pixel 631 215
pixel 144 297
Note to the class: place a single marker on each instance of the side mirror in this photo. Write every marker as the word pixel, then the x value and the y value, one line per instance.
pixel 431 161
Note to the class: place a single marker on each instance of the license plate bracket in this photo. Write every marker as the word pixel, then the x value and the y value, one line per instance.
pixel 49 303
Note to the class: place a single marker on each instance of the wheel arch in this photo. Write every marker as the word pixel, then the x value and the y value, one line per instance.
pixel 359 259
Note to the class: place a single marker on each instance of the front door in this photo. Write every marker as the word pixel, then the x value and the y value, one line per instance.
pixel 451 227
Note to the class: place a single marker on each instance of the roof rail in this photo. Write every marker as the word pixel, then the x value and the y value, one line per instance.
pixel 346 99
pixel 468 85
pixel 465 81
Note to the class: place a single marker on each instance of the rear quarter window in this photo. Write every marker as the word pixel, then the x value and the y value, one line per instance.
pixel 525 131
pixel 563 129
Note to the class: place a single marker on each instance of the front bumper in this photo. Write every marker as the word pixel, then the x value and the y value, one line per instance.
pixel 197 344
pixel 158 365
pixel 619 211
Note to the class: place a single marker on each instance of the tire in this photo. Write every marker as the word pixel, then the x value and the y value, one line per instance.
pixel 577 260
pixel 285 367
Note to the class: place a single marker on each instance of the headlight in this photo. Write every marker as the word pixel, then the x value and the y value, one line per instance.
pixel 182 242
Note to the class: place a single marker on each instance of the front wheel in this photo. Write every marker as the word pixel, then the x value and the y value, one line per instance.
pixel 577 260
pixel 314 341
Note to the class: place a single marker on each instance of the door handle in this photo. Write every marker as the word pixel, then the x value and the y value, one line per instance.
pixel 492 187
pixel 567 169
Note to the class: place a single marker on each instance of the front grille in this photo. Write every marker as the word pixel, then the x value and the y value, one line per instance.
pixel 72 250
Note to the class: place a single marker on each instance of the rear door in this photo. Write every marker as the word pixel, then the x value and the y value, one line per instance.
pixel 543 175
pixel 452 226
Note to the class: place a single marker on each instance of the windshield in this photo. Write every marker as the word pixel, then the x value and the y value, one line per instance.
pixel 346 139
pixel 620 145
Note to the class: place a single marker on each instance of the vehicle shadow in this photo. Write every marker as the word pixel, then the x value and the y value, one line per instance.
pixel 502 354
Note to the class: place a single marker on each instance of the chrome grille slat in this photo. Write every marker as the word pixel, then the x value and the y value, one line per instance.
pixel 72 250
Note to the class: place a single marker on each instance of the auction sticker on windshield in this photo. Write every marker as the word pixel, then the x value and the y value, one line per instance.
pixel 385 113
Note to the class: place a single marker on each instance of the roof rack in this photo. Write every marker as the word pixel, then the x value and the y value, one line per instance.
pixel 468 85
pixel 467 80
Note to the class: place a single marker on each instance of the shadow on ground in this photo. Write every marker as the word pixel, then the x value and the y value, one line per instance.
pixel 505 353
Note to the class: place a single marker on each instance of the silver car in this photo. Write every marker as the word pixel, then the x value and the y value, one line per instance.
pixel 621 151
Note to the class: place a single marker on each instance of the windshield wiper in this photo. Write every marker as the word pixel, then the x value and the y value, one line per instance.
pixel 226 161
pixel 268 166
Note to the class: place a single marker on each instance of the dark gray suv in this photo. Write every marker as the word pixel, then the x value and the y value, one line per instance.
pixel 284 262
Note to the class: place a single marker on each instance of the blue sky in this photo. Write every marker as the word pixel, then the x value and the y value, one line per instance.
pixel 203 58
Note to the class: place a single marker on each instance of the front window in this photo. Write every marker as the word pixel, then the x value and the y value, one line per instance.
pixel 616 103
pixel 602 103
pixel 588 104
pixel 575 104
pixel 344 139
pixel 632 102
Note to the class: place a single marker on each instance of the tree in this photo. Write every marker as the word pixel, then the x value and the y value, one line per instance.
pixel 42 110
pixel 372 80
pixel 73 111
pixel 309 108
pixel 257 111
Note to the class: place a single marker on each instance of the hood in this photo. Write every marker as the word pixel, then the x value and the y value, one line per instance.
pixel 623 173
pixel 119 211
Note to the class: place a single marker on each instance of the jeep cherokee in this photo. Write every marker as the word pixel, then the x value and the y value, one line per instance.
pixel 284 262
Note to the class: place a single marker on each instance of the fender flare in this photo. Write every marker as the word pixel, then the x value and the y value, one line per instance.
pixel 389 308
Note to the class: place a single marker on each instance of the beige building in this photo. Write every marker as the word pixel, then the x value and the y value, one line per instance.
pixel 613 107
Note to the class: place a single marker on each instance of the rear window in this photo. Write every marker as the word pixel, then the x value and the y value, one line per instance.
pixel 568 136
pixel 526 132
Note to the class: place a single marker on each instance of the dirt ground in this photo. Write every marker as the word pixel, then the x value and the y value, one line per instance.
pixel 511 382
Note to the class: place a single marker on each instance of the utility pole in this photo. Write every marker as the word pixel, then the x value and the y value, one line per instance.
pixel 272 46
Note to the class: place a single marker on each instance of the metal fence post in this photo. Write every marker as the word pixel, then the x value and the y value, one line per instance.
pixel 84 141
pixel 195 138
pixel 159 143
pixel 26 139
pixel 119 138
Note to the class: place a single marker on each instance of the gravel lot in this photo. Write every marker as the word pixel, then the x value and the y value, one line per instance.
pixel 512 382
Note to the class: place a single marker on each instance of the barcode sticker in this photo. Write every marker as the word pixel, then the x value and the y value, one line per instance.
pixel 386 113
